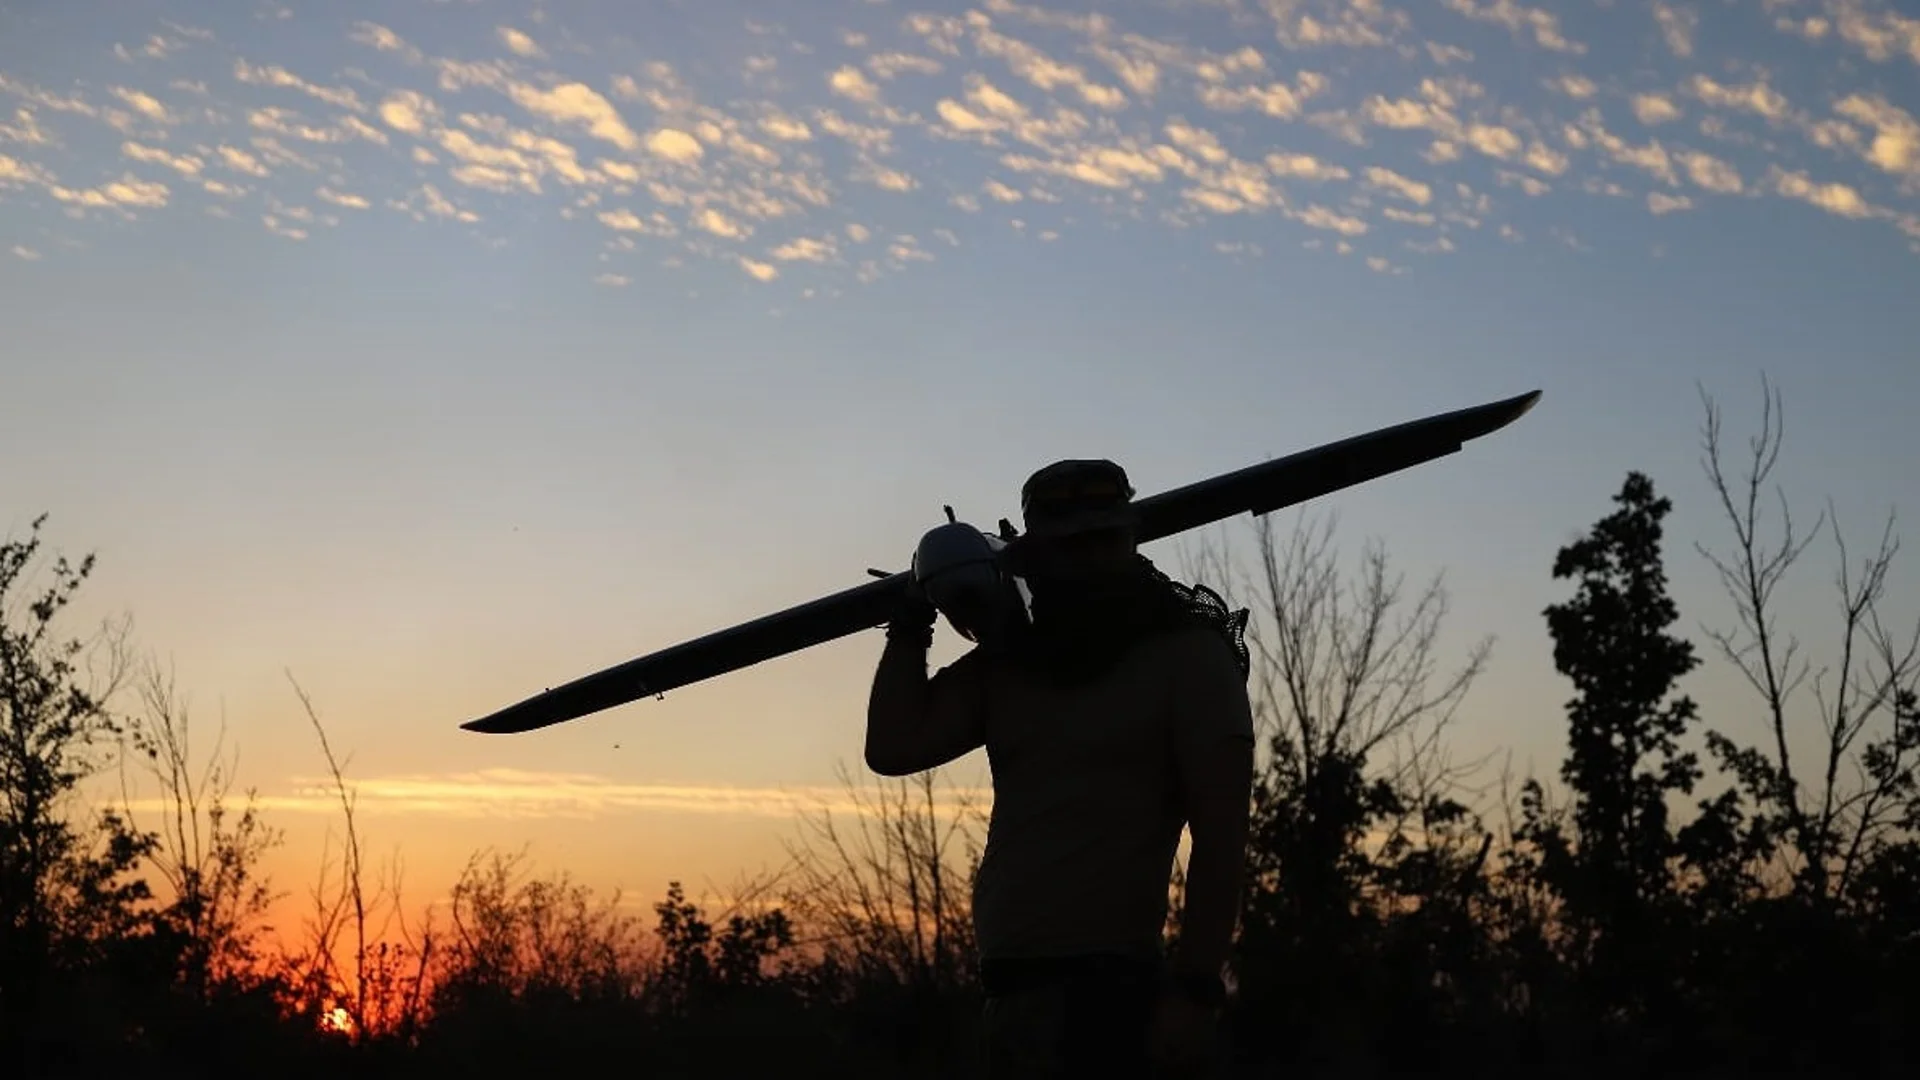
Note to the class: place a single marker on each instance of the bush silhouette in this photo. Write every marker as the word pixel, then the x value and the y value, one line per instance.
pixel 1689 895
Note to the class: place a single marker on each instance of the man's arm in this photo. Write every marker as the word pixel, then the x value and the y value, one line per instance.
pixel 915 723
pixel 1213 744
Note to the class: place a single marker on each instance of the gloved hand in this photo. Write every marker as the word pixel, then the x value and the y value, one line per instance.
pixel 913 618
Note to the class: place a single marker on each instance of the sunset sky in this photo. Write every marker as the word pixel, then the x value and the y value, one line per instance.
pixel 439 352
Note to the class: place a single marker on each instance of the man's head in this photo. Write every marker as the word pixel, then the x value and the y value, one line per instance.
pixel 1079 521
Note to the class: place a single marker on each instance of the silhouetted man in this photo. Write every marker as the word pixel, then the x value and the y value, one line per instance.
pixel 1117 716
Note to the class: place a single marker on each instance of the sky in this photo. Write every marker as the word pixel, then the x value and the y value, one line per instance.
pixel 434 353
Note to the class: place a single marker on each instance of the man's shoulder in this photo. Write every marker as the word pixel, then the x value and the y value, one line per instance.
pixel 1196 642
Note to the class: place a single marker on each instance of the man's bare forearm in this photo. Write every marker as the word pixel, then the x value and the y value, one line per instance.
pixel 896 706
pixel 1214 871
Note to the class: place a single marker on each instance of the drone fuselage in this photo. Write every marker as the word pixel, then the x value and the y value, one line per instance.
pixel 961 572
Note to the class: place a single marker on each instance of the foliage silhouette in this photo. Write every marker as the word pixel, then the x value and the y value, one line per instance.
pixel 1695 891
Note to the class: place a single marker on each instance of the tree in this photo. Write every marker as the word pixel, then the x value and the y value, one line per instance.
pixel 208 856
pixel 891 892
pixel 1355 824
pixel 67 897
pixel 1820 823
pixel 1348 692
pixel 1624 760
pixel 881 894
pixel 380 989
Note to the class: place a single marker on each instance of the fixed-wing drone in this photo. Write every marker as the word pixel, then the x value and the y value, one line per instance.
pixel 965 573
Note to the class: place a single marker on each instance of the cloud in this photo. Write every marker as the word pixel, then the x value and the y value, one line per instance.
pixel 1538 23
pixel 622 220
pixel 1493 140
pixel 25 129
pixel 408 111
pixel 1319 217
pixel 786 128
pixel 1651 157
pixel 21 251
pixel 1711 173
pixel 1358 25
pixel 1000 192
pixel 127 191
pixel 337 198
pixel 427 201
pixel 495 168
pixel 519 794
pixel 1833 197
pixel 1275 99
pixel 674 145
pixel 273 75
pixel 157 47
pixel 1111 167
pixel 1531 186
pixel 719 224
pixel 1880 35
pixel 519 43
pixel 978 118
pixel 885 177
pixel 1392 182
pixel 1578 87
pixel 1543 158
pixel 964 120
pixel 1437 110
pixel 1662 203
pixel 849 82
pixel 377 36
pixel 577 104
pixel 1755 97
pixel 805 249
pixel 282 122
pixel 868 137
pixel 612 281
pixel 273 152
pixel 1652 109
pixel 145 104
pixel 1303 167
pixel 184 164
pixel 1677 25
pixel 1044 72
pixel 1895 148
pixel 241 161
pixel 893 65
pixel 282 229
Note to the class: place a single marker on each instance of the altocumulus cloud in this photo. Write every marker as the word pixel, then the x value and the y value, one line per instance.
pixel 1384 133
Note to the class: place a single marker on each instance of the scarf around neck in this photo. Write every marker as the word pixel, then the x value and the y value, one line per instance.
pixel 1081 628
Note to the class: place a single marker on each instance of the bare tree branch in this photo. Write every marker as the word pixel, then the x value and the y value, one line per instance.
pixel 1861 760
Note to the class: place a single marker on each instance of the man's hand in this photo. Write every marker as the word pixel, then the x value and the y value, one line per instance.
pixel 913 617
pixel 1182 1038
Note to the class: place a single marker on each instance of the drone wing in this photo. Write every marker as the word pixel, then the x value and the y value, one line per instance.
pixel 1258 489
pixel 1309 474
pixel 796 628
